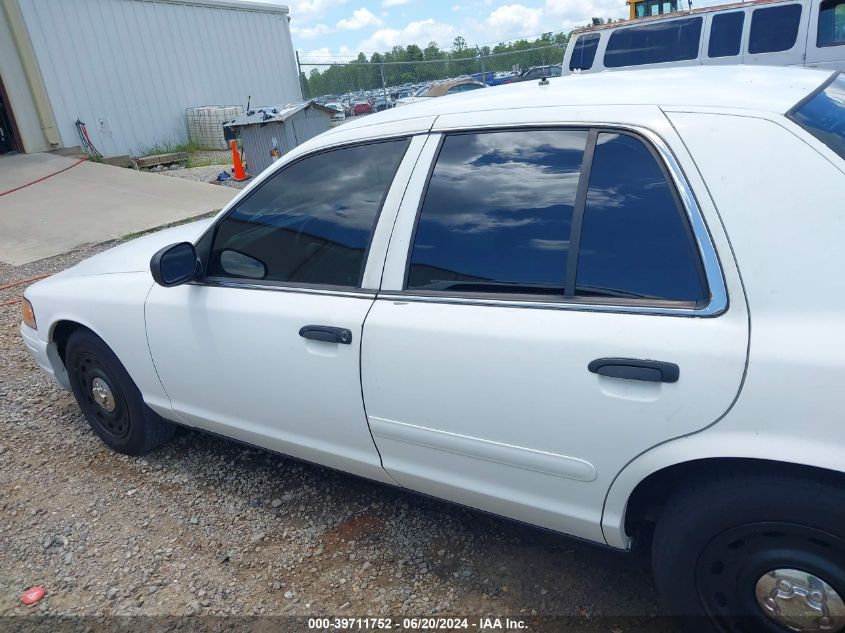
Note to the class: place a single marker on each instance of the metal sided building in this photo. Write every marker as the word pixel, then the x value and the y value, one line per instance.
pixel 268 133
pixel 129 69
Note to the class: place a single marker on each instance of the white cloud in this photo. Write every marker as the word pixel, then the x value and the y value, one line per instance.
pixel 302 11
pixel 393 3
pixel 310 32
pixel 571 14
pixel 420 32
pixel 456 7
pixel 321 57
pixel 514 20
pixel 360 18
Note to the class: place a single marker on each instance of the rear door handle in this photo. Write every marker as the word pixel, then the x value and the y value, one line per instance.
pixel 635 369
pixel 327 334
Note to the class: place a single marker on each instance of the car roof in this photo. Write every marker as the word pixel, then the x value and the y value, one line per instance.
pixel 763 88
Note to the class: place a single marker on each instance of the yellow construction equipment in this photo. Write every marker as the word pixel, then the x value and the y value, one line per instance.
pixel 646 8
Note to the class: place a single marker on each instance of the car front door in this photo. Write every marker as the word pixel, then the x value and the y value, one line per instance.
pixel 552 308
pixel 265 347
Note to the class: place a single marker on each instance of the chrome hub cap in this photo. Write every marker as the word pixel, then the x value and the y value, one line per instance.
pixel 102 394
pixel 800 601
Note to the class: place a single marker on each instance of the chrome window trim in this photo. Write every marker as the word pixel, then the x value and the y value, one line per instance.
pixel 717 305
pixel 718 302
pixel 709 257
pixel 308 290
pixel 399 297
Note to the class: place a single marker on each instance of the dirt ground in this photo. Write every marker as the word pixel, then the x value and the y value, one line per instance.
pixel 208 527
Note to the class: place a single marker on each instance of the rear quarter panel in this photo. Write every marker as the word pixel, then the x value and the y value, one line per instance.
pixel 780 198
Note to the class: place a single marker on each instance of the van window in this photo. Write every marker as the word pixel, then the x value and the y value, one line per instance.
pixel 823 116
pixel 584 52
pixel 774 29
pixel 831 23
pixel 726 34
pixel 670 41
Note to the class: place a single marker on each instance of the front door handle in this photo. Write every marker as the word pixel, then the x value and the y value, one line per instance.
pixel 635 369
pixel 327 334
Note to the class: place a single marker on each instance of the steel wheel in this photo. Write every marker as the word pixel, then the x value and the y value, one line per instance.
pixel 772 577
pixel 104 402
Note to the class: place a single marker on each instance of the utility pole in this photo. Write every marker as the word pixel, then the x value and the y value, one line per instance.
pixel 302 89
pixel 383 85
pixel 483 68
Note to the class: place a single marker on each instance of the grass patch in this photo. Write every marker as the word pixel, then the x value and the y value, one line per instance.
pixel 168 147
pixel 206 161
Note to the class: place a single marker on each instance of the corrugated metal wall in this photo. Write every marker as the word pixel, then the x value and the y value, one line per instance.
pixel 130 68
pixel 258 140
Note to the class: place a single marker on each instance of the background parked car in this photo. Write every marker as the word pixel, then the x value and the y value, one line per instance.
pixel 380 104
pixel 362 107
pixel 785 33
pixel 442 88
pixel 536 72
pixel 341 115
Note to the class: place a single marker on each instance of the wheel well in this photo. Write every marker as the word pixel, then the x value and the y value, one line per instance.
pixel 61 333
pixel 647 499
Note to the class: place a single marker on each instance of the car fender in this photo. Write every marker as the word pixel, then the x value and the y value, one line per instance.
pixel 111 306
pixel 784 447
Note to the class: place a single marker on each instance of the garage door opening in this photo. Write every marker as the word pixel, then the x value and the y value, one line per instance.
pixel 9 137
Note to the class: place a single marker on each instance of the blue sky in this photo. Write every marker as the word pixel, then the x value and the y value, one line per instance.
pixel 340 28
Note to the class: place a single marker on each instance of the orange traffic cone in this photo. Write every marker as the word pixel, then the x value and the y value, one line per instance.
pixel 240 174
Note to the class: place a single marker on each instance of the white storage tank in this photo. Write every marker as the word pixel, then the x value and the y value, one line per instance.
pixel 205 125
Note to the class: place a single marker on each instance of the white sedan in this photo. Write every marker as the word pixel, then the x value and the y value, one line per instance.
pixel 617 312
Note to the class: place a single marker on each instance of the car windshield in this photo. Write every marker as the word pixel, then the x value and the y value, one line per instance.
pixel 823 115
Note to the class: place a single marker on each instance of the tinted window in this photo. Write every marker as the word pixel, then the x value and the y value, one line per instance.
pixel 823 116
pixel 584 53
pixel 311 222
pixel 831 23
pixel 726 34
pixel 635 242
pixel 671 41
pixel 498 213
pixel 774 29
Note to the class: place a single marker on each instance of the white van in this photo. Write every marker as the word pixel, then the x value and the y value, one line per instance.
pixel 771 32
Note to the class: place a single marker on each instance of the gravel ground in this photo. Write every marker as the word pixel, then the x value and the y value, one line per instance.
pixel 205 174
pixel 206 526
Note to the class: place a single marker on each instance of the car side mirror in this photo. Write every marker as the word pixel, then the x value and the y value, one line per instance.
pixel 175 265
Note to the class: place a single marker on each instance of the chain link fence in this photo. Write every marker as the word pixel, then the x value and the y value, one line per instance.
pixel 325 79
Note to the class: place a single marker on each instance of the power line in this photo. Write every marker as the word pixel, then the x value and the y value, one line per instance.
pixel 438 61
pixel 349 55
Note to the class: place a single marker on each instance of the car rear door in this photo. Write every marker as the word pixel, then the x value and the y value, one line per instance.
pixel 552 306
pixel 265 348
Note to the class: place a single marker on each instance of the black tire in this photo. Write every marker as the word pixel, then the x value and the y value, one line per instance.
pixel 716 539
pixel 120 418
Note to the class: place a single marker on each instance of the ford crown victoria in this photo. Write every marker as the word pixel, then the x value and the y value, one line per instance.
pixel 616 313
